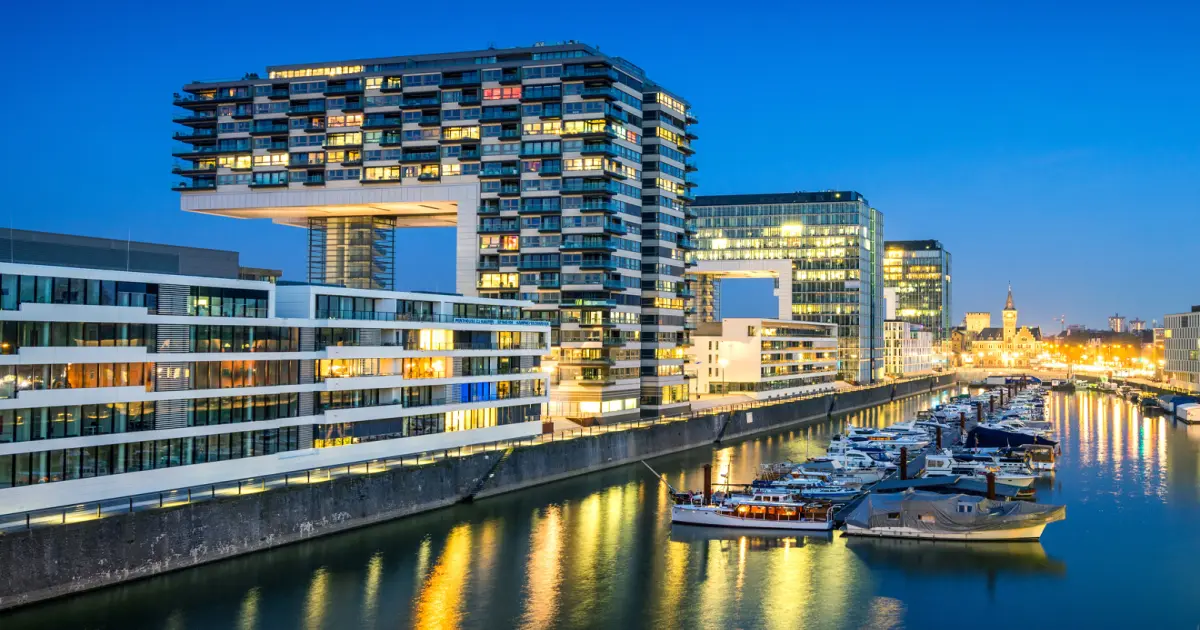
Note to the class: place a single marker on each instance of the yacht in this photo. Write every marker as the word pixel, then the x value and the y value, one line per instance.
pixel 770 510
pixel 945 464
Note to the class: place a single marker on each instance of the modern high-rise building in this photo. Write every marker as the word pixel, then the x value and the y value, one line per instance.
pixel 1116 323
pixel 564 169
pixel 919 271
pixel 825 250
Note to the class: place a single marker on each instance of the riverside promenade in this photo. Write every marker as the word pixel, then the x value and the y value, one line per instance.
pixel 81 547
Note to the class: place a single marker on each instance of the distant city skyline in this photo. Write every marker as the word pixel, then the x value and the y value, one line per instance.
pixel 1018 136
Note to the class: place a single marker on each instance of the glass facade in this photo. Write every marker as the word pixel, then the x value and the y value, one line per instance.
pixel 583 167
pixel 919 271
pixel 833 240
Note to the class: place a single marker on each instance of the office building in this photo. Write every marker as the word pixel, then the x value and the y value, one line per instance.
pixel 762 358
pixel 116 383
pixel 825 250
pixel 565 170
pixel 907 349
pixel 919 271
pixel 1181 350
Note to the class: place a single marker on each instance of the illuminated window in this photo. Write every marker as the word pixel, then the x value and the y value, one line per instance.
pixel 495 94
pixel 272 159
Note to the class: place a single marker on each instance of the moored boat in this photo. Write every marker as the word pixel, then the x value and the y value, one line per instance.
pixel 924 515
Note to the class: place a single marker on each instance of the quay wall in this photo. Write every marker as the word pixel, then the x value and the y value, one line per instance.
pixel 60 560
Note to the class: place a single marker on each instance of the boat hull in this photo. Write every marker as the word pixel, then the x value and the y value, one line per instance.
pixel 712 518
pixel 1033 532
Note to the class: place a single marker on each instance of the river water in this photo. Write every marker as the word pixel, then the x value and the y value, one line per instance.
pixel 599 552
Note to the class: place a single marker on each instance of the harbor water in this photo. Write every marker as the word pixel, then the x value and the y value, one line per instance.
pixel 599 552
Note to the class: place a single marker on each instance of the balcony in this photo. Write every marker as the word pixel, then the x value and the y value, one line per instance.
pixel 304 108
pixel 278 93
pixel 430 120
pixel 313 179
pixel 613 284
pixel 499 228
pixel 493 169
pixel 493 116
pixel 488 265
pixel 531 209
pixel 429 177
pixel 598 148
pixel 510 78
pixel 610 207
pixel 353 105
pixel 510 191
pixel 349 87
pixel 277 146
pixel 579 186
pixel 615 228
pixel 264 128
pixel 601 92
pixel 580 244
pixel 594 72
pixel 470 100
pixel 202 184
pixel 595 263
pixel 187 168
pixel 465 154
pixel 550 226
pixel 197 119
pixel 191 101
pixel 549 283
pixel 382 122
pixel 413 102
pixel 532 265
pixel 465 80
pixel 422 156
pixel 197 136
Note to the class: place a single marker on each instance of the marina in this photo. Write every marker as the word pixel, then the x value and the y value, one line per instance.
pixel 600 551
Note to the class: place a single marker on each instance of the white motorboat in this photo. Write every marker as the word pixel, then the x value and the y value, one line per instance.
pixel 944 464
pixel 758 512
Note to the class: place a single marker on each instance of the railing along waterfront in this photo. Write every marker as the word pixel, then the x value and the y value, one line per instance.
pixel 93 510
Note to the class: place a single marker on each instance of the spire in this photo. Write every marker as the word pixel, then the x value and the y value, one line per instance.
pixel 1008 304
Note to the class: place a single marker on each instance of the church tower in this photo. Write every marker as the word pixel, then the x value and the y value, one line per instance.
pixel 1010 317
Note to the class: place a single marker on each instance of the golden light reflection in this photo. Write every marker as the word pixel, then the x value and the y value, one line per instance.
pixel 315 601
pixel 248 615
pixel 441 600
pixel 371 589
pixel 544 570
pixel 672 587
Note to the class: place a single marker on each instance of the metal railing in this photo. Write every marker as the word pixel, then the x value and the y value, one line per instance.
pixel 92 510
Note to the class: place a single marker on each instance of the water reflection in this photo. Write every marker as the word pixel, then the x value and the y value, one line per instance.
pixel 599 551
pixel 947 557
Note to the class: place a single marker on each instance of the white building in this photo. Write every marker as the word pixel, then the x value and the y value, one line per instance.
pixel 907 349
pixel 115 383
pixel 764 358
pixel 1181 349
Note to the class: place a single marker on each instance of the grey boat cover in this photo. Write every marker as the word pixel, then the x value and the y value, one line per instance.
pixel 932 512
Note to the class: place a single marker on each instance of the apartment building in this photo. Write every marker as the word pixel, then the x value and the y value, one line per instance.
pixel 116 383
pixel 907 349
pixel 919 273
pixel 764 358
pixel 565 170
pixel 824 250
pixel 1181 349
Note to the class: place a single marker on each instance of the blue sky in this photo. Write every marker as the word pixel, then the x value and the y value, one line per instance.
pixel 1053 146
